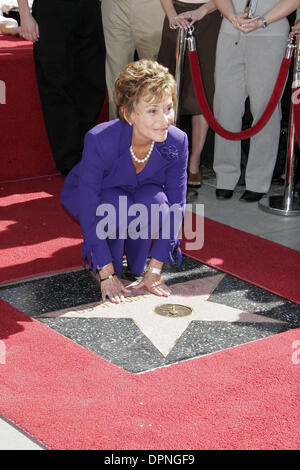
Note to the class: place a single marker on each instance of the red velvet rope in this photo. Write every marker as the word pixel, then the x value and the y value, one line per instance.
pixel 296 105
pixel 202 101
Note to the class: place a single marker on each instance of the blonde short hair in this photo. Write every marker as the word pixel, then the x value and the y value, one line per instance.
pixel 142 78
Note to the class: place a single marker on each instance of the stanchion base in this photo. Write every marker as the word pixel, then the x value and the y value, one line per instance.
pixel 277 205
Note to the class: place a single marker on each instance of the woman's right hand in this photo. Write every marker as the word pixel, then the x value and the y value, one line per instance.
pixel 114 290
pixel 178 21
pixel 111 288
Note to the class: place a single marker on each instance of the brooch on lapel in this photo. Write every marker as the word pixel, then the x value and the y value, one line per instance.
pixel 169 152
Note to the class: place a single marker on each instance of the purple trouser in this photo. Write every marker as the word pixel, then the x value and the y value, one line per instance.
pixel 128 229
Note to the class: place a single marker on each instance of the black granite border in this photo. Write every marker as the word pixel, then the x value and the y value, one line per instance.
pixel 121 342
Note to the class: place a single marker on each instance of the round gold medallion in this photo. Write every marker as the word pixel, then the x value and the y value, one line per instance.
pixel 173 310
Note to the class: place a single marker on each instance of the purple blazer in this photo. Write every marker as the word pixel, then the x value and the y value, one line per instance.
pixel 106 163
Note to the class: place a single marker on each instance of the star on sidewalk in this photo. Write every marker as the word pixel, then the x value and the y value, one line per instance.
pixel 164 331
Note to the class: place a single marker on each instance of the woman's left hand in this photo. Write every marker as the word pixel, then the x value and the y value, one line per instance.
pixel 154 284
pixel 241 22
pixel 193 15
pixel 296 28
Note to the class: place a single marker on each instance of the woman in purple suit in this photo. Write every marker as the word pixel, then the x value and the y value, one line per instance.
pixel 129 189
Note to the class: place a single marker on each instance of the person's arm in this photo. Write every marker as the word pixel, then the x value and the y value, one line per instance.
pixel 296 27
pixel 96 247
pixel 29 28
pixel 226 8
pixel 282 9
pixel 174 20
pixel 168 8
pixel 186 19
pixel 236 18
pixel 196 15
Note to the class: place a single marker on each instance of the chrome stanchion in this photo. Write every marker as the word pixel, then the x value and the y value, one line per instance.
pixel 183 36
pixel 286 205
pixel 190 39
pixel 180 54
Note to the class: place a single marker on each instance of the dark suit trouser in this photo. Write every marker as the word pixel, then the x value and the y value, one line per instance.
pixel 70 69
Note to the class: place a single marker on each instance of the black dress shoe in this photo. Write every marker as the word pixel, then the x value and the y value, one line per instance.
pixel 251 196
pixel 224 193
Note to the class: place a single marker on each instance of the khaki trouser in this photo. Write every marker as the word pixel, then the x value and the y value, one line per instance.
pixel 129 25
pixel 247 65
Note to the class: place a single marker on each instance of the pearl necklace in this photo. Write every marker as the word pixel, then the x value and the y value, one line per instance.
pixel 143 160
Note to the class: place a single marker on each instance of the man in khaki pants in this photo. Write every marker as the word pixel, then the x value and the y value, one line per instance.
pixel 129 25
